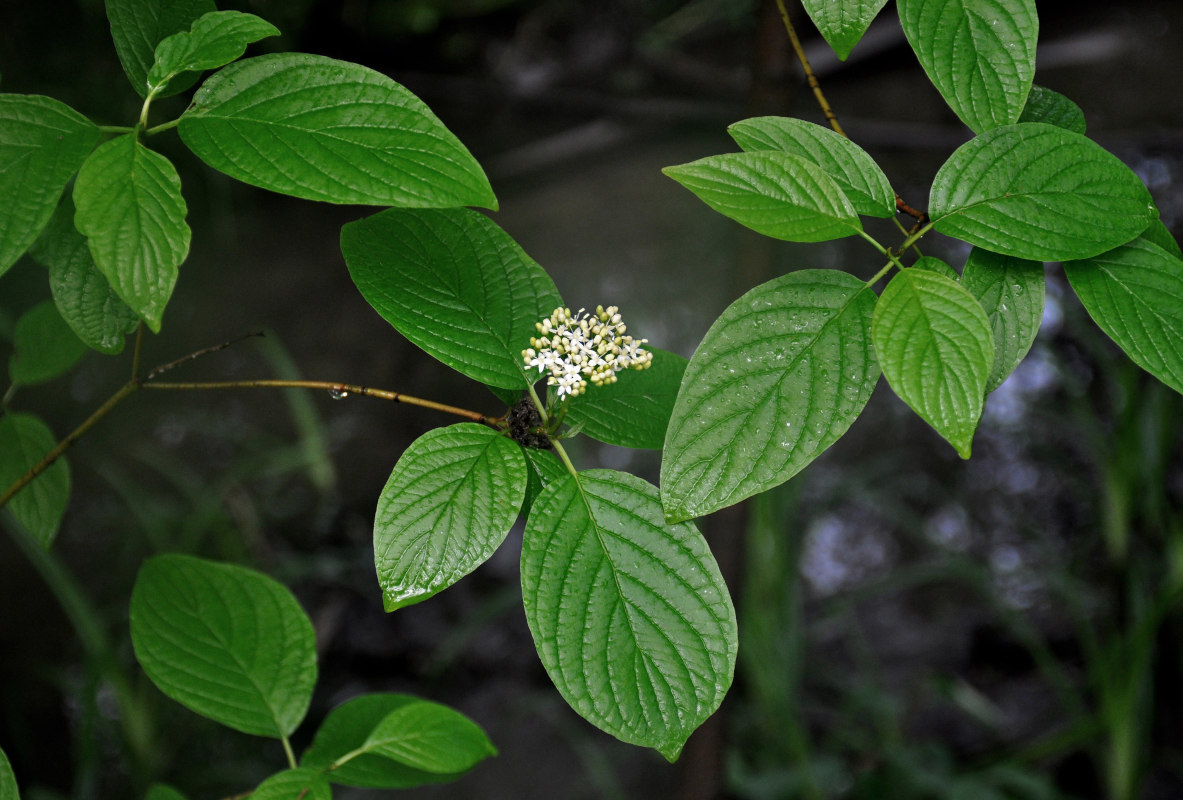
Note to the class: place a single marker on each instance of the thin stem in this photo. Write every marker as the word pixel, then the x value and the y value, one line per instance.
pixel 8 395
pixel 115 129
pixel 162 127
pixel 287 749
pixel 566 459
pixel 65 444
pixel 198 354
pixel 881 273
pixel 828 112
pixel 337 389
pixel 882 250
pixel 88 624
pixel 824 104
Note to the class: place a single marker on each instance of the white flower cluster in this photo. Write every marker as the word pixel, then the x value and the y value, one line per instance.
pixel 584 347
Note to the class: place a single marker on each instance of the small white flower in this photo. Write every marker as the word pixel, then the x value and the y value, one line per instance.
pixel 580 348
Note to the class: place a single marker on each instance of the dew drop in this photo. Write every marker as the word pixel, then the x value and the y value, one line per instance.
pixel 338 394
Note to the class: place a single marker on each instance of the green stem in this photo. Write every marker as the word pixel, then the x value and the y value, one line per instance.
pixel 287 749
pixel 137 726
pixel 115 129
pixel 163 127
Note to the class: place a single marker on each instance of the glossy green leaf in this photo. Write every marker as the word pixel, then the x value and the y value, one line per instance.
pixel 214 40
pixel 1135 295
pixel 630 615
pixel 1039 192
pixel 42 144
pixel 449 503
pixel 161 791
pixel 456 285
pixel 83 295
pixel 934 264
pixel 842 22
pixel 430 737
pixel 855 172
pixel 138 26
pixel 778 378
pixel 347 728
pixel 294 784
pixel 936 348
pixel 1158 234
pixel 777 194
pixel 328 130
pixel 979 54
pixel 8 787
pixel 634 411
pixel 44 346
pixel 1045 105
pixel 129 206
pixel 544 467
pixel 24 441
pixel 1011 292
pixel 225 641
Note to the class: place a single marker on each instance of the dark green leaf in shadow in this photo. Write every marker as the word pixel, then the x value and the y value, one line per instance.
pixel 24 441
pixel 345 731
pixel 1011 292
pixel 1135 294
pixel 456 285
pixel 42 144
pixel 83 295
pixel 635 410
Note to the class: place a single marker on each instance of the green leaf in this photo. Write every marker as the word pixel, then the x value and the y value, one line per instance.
pixel 44 346
pixel 1135 295
pixel 430 737
pixel 1039 192
pixel 855 172
pixel 161 791
pixel 842 23
pixel 224 641
pixel 456 285
pixel 979 54
pixel 83 295
pixel 24 441
pixel 8 787
pixel 450 502
pixel 1011 292
pixel 936 347
pixel 1158 234
pixel 129 206
pixel 321 129
pixel 634 411
pixel 777 194
pixel 630 615
pixel 294 784
pixel 138 26
pixel 347 728
pixel 214 40
pixel 544 467
pixel 933 264
pixel 778 378
pixel 42 144
pixel 1045 105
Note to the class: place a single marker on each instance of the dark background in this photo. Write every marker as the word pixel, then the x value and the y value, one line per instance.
pixel 913 625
